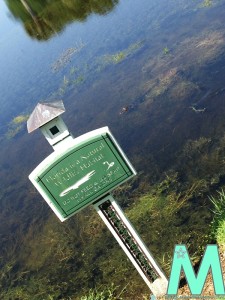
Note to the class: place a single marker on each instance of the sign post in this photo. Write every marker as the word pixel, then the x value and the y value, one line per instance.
pixel 83 171
pixel 127 237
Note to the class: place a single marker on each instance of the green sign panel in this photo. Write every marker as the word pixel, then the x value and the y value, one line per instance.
pixel 84 174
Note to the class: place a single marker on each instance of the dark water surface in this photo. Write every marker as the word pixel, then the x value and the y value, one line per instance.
pixel 153 71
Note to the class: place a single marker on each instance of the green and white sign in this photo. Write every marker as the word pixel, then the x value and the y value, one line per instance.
pixel 91 167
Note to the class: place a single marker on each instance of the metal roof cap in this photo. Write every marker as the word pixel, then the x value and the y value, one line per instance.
pixel 44 113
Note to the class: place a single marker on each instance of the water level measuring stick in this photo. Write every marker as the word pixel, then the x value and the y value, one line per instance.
pixel 127 237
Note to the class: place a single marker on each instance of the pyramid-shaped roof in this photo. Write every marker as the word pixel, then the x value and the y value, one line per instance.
pixel 44 113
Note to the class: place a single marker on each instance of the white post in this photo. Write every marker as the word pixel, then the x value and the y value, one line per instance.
pixel 133 246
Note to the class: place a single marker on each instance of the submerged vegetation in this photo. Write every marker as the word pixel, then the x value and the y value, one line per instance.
pixel 64 261
pixel 16 125
pixel 179 155
pixel 76 75
pixel 20 119
pixel 120 56
pixel 166 50
pixel 107 294
pixel 207 3
pixel 66 57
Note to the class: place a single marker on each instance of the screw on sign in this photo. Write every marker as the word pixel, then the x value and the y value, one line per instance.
pixel 83 171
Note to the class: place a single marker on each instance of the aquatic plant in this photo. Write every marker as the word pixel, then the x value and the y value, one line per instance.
pixel 65 81
pixel 114 58
pixel 163 82
pixel 73 70
pixel 79 79
pixel 219 204
pixel 16 125
pixel 20 119
pixel 207 3
pixel 166 50
pixel 164 209
pixel 109 293
pixel 220 234
pixel 78 74
pixel 120 55
pixel 13 131
pixel 183 89
pixel 61 91
pixel 66 57
pixel 218 223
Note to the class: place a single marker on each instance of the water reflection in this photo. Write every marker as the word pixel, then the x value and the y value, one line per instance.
pixel 44 18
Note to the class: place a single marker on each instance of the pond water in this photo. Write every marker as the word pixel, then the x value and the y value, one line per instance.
pixel 153 71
